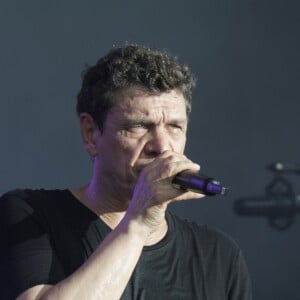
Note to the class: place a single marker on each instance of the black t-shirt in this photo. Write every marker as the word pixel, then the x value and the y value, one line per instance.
pixel 49 234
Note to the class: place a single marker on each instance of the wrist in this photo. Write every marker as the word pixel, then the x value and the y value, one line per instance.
pixel 134 228
pixel 144 229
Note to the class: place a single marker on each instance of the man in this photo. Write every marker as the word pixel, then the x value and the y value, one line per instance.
pixel 113 238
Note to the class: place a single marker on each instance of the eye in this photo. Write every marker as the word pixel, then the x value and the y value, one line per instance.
pixel 136 127
pixel 175 127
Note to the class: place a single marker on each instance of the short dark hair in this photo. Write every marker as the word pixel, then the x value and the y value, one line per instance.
pixel 131 65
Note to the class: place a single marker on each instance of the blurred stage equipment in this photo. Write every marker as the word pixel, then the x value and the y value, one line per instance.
pixel 280 204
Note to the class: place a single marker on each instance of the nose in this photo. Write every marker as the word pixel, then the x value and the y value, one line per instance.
pixel 157 143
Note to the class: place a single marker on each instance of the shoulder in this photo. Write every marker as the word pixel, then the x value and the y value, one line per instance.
pixel 212 240
pixel 18 204
pixel 217 254
pixel 31 195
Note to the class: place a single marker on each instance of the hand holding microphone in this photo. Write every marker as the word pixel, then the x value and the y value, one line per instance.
pixel 154 191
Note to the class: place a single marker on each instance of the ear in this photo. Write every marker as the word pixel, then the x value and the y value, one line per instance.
pixel 89 130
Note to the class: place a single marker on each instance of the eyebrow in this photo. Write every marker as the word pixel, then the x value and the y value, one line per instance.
pixel 149 121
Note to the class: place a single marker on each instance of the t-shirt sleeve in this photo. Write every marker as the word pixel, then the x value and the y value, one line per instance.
pixel 27 257
pixel 226 264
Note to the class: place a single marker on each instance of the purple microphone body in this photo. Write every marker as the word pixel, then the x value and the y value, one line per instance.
pixel 199 183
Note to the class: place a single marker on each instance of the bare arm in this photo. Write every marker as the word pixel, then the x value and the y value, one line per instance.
pixel 105 274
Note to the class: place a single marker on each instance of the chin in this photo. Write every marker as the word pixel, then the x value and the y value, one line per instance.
pixel 126 190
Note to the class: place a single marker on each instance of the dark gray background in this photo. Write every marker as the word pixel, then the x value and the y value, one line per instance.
pixel 245 114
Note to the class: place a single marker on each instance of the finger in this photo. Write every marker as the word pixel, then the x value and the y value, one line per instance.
pixel 169 167
pixel 188 195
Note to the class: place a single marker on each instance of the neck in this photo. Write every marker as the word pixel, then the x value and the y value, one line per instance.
pixel 111 210
pixel 111 204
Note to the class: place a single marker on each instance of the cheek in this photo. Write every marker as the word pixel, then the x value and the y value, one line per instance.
pixel 133 150
pixel 179 144
pixel 128 150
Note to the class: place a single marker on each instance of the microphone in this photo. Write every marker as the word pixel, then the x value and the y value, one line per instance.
pixel 267 206
pixel 199 183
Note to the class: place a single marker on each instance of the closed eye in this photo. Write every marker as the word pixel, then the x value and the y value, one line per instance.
pixel 175 126
pixel 136 127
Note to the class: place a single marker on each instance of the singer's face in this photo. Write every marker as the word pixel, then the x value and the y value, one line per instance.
pixel 138 129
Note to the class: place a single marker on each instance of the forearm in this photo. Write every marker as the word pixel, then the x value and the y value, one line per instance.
pixel 106 273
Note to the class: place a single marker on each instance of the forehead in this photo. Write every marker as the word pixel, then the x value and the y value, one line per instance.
pixel 138 102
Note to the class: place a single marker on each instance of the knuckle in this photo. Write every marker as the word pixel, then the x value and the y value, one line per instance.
pixel 166 169
pixel 170 159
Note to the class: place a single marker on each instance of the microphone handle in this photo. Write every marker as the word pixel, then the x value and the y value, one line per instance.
pixel 199 183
